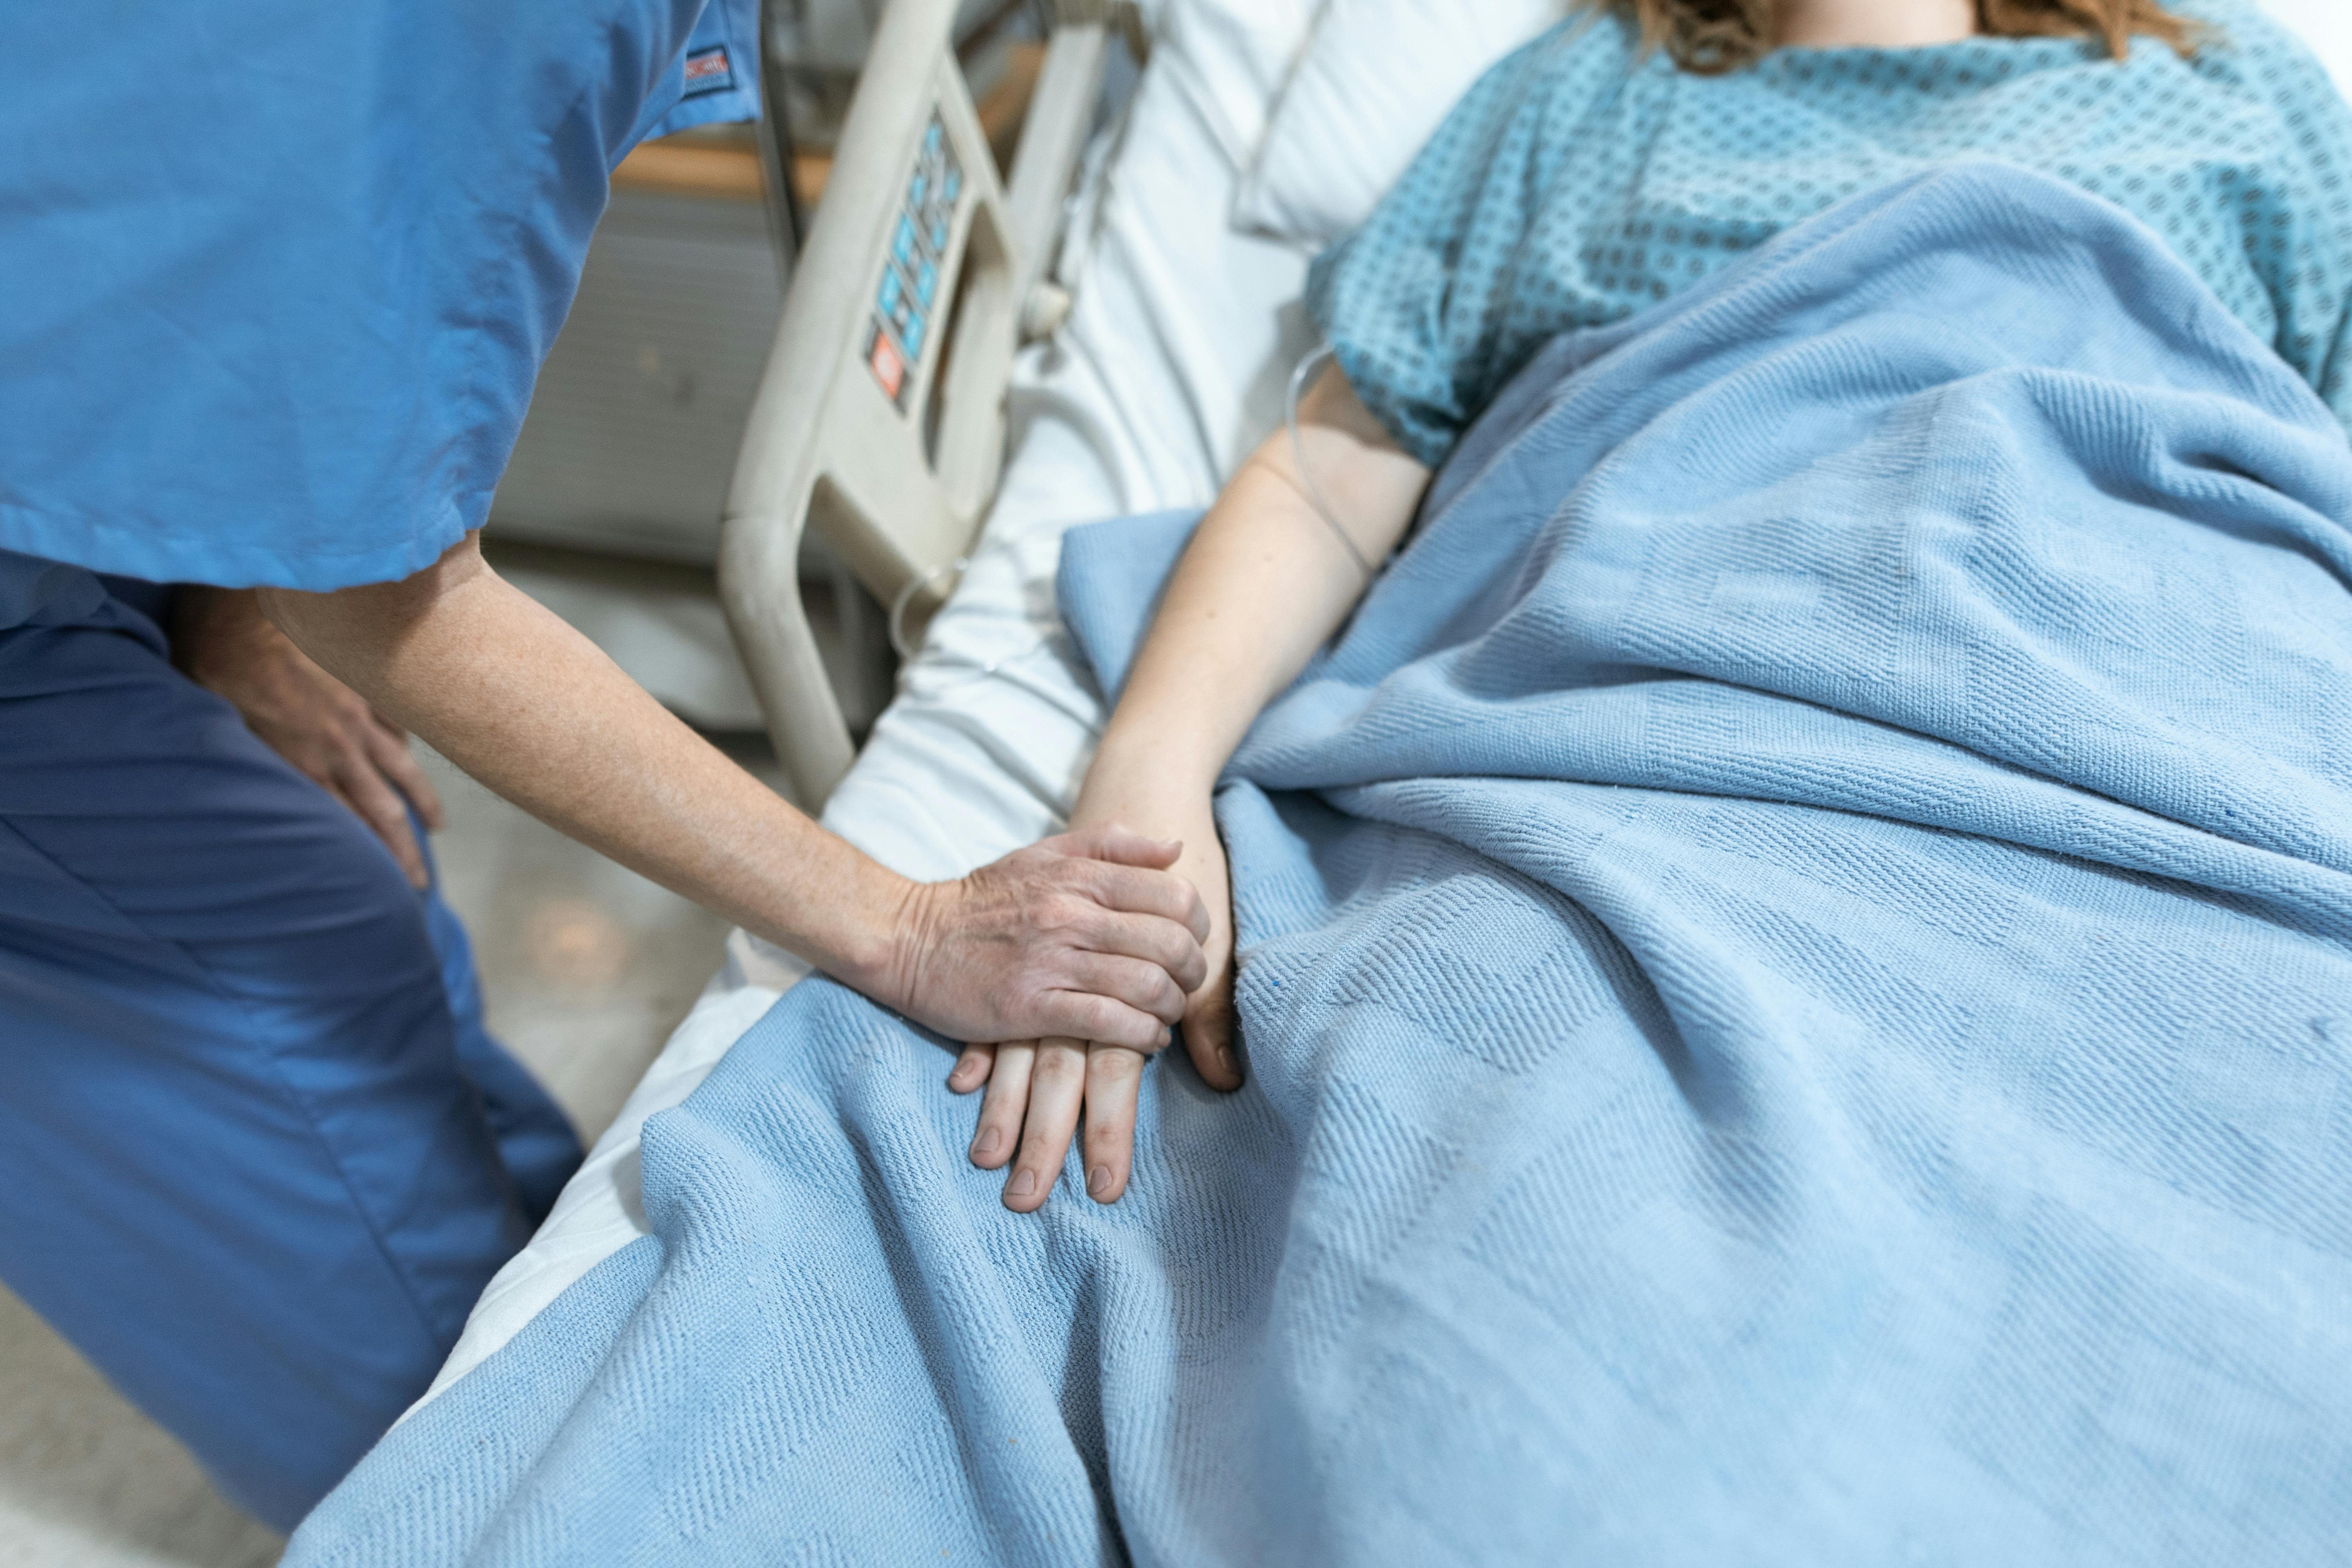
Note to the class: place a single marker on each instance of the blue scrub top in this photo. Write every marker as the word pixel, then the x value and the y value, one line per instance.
pixel 277 276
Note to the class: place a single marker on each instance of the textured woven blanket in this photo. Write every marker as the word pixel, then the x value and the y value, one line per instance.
pixel 1797 972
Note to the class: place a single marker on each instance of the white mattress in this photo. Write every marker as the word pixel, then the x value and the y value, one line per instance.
pixel 1172 366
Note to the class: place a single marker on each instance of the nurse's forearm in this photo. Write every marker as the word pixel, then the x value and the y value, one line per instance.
pixel 521 700
pixel 1062 938
pixel 327 731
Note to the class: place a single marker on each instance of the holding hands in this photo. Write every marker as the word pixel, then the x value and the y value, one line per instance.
pixel 1038 1087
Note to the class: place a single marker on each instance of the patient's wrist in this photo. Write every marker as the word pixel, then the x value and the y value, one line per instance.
pixel 1154 790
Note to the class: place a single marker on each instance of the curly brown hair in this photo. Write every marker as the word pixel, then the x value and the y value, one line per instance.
pixel 1712 37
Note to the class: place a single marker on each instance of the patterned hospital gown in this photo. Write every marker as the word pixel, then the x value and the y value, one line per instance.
pixel 1580 181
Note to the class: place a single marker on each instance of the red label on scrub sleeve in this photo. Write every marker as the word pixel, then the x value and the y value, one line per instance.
pixel 708 71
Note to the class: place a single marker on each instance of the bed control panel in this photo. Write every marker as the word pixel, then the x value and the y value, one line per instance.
pixel 882 414
pixel 907 299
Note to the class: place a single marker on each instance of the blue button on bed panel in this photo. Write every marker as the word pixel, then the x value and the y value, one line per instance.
pixel 951 184
pixel 913 332
pixel 939 235
pixel 931 139
pixel 927 283
pixel 903 247
pixel 892 290
pixel 916 187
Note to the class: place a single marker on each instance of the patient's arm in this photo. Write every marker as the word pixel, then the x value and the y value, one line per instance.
pixel 1262 586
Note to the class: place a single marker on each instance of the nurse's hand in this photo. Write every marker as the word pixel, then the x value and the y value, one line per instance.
pixel 1087 934
pixel 222 641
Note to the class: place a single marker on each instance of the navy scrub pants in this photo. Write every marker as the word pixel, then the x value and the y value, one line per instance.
pixel 257 1155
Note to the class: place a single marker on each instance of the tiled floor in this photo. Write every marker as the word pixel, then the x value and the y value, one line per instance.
pixel 586 968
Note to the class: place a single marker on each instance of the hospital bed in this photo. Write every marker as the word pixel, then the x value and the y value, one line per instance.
pixel 1163 338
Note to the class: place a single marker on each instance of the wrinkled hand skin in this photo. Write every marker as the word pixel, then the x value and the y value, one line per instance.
pixel 221 640
pixel 1085 934
pixel 1038 1087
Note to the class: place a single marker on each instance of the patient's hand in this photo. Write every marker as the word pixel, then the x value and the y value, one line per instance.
pixel 1036 1089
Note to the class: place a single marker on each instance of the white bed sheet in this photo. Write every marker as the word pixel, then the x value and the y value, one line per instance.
pixel 1173 363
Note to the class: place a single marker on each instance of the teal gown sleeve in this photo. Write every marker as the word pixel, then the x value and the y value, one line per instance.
pixel 1415 302
pixel 2301 248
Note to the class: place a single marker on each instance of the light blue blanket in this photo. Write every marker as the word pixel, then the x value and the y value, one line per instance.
pixel 1797 964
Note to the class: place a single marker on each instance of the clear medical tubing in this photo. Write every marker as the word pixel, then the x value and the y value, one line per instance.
pixel 1307 367
pixel 896 623
pixel 900 643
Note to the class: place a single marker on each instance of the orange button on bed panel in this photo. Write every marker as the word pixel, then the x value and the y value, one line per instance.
pixel 890 367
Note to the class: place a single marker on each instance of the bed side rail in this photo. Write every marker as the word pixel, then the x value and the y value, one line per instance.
pixel 879 421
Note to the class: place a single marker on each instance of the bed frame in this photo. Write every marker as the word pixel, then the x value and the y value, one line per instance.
pixel 880 418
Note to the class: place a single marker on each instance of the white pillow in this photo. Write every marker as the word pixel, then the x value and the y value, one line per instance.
pixel 2326 26
pixel 1231 57
pixel 1379 75
pixel 1376 79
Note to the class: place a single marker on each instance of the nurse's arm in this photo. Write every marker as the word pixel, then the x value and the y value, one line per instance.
pixel 327 731
pixel 1088 935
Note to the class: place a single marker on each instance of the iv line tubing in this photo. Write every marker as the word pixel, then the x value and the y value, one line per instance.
pixel 1306 475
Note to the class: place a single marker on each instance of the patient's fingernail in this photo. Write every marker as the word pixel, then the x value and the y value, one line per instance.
pixel 1225 1057
pixel 1024 1183
pixel 1099 1182
pixel 988 1141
